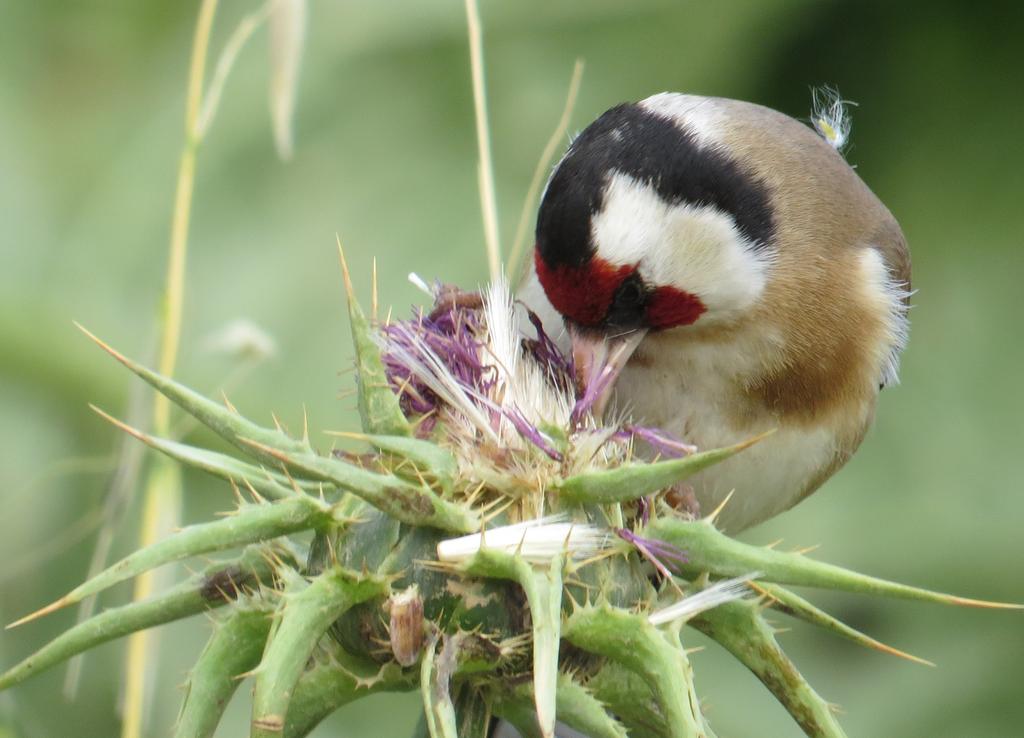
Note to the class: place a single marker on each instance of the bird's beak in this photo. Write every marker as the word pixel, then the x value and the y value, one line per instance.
pixel 599 360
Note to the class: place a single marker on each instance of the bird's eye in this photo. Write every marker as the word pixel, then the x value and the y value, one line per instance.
pixel 628 304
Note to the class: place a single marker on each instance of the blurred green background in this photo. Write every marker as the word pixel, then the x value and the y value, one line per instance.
pixel 91 101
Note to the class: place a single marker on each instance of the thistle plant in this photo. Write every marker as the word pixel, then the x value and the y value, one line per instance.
pixel 487 538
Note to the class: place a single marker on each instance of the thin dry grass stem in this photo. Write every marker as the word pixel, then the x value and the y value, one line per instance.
pixel 49 549
pixel 162 504
pixel 119 494
pixel 175 287
pixel 225 62
pixel 543 164
pixel 287 38
pixel 485 172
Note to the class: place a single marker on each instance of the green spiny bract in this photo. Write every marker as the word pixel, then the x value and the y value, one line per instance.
pixel 526 543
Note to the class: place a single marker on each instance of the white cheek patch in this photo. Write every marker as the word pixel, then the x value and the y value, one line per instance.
pixel 887 298
pixel 694 248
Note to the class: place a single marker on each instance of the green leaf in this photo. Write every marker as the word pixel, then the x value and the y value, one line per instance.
pixel 633 481
pixel 428 458
pixel 302 619
pixel 216 585
pixel 378 405
pixel 709 550
pixel 234 649
pixel 410 503
pixel 270 484
pixel 223 421
pixel 251 523
pixel 792 604
pixel 740 629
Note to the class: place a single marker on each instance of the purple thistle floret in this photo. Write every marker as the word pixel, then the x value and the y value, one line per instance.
pixel 452 331
pixel 598 387
pixel 644 505
pixel 661 554
pixel 558 366
pixel 531 433
pixel 661 441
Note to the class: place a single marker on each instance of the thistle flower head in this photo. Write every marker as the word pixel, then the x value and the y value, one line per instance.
pixel 504 401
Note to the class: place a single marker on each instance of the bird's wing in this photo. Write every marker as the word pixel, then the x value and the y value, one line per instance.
pixel 892 245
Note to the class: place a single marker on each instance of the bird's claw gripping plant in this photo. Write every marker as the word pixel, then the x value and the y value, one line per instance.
pixel 493 543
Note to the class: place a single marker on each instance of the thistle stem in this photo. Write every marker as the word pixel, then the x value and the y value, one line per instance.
pixel 636 644
pixel 303 618
pixel 331 683
pixel 543 589
pixel 742 631
pixel 579 709
pixel 234 649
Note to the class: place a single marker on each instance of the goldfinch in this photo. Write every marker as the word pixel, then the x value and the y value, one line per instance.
pixel 739 275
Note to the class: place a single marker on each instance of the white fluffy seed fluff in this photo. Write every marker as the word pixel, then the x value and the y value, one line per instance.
pixel 522 384
pixel 419 283
pixel 717 594
pixel 537 541
pixel 830 116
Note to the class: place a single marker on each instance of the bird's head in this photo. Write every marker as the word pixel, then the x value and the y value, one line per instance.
pixel 650 224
